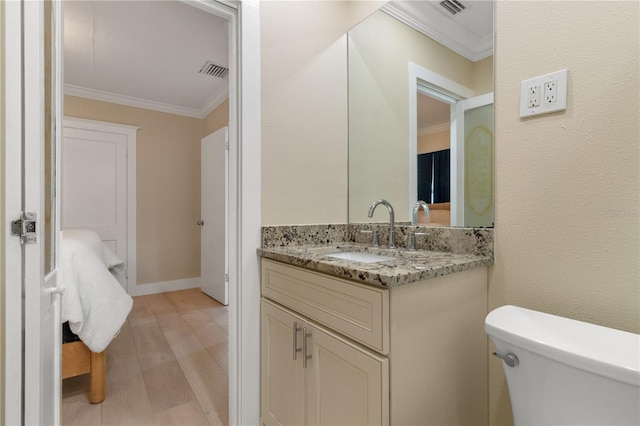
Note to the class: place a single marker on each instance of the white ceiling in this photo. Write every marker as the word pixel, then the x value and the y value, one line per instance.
pixel 148 53
pixel 468 33
pixel 145 53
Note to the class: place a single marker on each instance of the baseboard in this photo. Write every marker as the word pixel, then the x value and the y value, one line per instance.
pixel 163 286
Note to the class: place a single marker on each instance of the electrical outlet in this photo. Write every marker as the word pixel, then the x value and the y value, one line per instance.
pixel 550 91
pixel 552 98
pixel 534 96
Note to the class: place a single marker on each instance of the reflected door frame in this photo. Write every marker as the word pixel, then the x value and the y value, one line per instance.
pixel 451 92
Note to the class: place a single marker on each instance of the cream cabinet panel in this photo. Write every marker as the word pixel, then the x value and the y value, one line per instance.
pixel 360 312
pixel 283 381
pixel 340 383
pixel 346 385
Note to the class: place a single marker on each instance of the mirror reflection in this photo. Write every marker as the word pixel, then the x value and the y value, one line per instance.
pixel 421 114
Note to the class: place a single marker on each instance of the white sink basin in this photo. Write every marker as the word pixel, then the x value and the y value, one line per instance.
pixel 356 256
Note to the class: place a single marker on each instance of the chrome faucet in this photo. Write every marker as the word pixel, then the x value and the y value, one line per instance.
pixel 416 209
pixel 392 229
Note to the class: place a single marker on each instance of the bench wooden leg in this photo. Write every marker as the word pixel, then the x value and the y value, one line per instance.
pixel 97 380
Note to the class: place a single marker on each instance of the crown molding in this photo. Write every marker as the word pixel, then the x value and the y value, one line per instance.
pixel 215 101
pixel 464 38
pixel 434 129
pixel 114 98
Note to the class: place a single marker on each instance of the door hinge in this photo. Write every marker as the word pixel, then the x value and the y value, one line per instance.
pixel 226 278
pixel 226 145
pixel 25 228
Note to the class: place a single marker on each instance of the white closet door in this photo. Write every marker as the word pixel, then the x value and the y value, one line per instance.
pixel 214 221
pixel 94 186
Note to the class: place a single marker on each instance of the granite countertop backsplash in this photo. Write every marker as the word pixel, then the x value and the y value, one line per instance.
pixel 456 250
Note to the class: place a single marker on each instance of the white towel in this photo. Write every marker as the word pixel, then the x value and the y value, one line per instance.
pixel 94 302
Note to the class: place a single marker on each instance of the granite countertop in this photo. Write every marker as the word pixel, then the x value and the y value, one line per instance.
pixel 405 267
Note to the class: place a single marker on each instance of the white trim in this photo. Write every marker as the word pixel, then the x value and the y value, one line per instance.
pixel 438 82
pixel 114 98
pixel 164 286
pixel 214 101
pixel 479 101
pixel 245 345
pixel 428 78
pixel 483 48
pixel 58 109
pixel 244 205
pixel 131 134
pixel 12 169
pixel 209 105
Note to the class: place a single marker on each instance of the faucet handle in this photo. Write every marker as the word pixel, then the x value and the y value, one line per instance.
pixel 375 236
pixel 411 241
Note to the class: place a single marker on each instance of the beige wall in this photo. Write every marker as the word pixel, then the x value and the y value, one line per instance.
pixel 567 184
pixel 304 109
pixel 434 142
pixel 304 112
pixel 168 190
pixel 217 119
pixel 482 76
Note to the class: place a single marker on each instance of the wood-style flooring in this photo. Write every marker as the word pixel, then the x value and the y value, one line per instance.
pixel 168 366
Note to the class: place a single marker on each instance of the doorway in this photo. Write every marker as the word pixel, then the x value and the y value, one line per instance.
pixel 245 227
pixel 233 131
pixel 433 156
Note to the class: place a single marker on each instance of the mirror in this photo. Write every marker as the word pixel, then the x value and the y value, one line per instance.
pixel 420 113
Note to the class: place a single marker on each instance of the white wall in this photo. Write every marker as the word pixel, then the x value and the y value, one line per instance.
pixel 567 184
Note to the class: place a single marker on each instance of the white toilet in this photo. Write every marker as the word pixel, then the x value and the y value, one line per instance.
pixel 566 372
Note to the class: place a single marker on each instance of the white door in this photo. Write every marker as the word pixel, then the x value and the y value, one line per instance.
pixel 474 123
pixel 96 183
pixel 32 294
pixel 213 219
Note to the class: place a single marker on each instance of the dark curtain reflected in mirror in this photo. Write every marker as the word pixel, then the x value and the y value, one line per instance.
pixel 434 177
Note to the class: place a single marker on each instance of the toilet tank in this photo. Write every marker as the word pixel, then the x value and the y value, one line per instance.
pixel 569 372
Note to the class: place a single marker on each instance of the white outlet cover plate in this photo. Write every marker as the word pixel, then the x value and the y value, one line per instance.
pixel 544 108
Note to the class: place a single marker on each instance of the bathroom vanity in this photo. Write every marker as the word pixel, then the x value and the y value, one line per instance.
pixel 398 342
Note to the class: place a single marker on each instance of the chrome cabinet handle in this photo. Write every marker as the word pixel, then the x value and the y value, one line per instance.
pixel 305 355
pixel 510 359
pixel 296 349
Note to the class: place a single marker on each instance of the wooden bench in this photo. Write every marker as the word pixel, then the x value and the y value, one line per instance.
pixel 77 359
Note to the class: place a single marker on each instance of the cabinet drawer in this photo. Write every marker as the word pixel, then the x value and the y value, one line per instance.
pixel 358 311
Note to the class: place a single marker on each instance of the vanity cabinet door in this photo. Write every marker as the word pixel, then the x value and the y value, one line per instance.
pixel 346 384
pixel 283 378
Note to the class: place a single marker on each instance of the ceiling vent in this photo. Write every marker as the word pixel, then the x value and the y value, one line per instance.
pixel 209 68
pixel 452 6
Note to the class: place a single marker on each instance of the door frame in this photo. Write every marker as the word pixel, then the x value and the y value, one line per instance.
pixel 244 274
pixel 454 90
pixel 13 308
pixel 244 204
pixel 26 357
pixel 131 134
